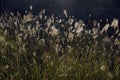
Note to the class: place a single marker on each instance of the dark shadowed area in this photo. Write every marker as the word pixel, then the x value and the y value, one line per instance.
pixel 78 8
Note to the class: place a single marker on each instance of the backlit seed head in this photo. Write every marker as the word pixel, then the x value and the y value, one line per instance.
pixel 34 53
pixel 31 7
pixel 103 67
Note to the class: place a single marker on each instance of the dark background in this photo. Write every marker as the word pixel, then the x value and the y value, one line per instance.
pixel 78 8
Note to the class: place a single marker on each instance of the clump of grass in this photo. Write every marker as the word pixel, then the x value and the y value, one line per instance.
pixel 29 51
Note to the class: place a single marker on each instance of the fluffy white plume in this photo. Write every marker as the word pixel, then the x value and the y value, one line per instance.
pixel 105 28
pixel 54 31
pixel 28 17
pixel 70 21
pixel 79 27
pixel 31 7
pixel 65 13
pixel 115 23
